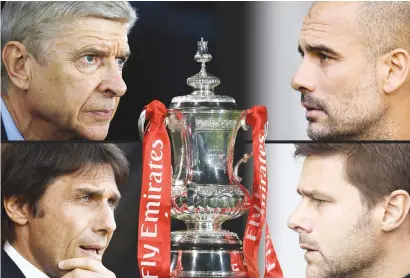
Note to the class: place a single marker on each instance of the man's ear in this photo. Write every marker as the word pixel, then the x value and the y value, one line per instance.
pixel 15 60
pixel 397 208
pixel 18 213
pixel 395 69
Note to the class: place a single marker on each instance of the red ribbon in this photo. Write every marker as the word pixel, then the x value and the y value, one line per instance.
pixel 257 118
pixel 154 225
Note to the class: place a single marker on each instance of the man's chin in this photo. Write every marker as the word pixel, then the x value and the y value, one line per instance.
pixel 93 132
pixel 314 271
pixel 319 131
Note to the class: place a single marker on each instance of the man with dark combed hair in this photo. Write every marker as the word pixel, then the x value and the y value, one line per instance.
pixel 354 78
pixel 58 202
pixel 354 216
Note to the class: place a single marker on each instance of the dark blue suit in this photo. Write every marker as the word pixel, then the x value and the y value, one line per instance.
pixel 8 268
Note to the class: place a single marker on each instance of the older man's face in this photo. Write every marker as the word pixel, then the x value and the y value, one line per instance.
pixel 79 86
pixel 338 84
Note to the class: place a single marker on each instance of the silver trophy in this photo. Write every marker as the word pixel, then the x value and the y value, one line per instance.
pixel 206 189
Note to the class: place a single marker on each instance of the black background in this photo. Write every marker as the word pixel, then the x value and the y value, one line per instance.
pixel 163 44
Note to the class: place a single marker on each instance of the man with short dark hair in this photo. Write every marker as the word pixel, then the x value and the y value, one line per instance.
pixel 58 204
pixel 354 77
pixel 354 216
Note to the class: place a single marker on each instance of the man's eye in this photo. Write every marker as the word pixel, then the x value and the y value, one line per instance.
pixel 324 57
pixel 112 203
pixel 319 202
pixel 90 59
pixel 85 198
pixel 121 61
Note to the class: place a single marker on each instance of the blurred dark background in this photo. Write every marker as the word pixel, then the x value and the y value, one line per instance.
pixel 163 43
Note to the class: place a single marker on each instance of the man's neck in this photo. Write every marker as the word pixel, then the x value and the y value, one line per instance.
pixel 391 127
pixel 395 264
pixel 30 126
pixel 399 114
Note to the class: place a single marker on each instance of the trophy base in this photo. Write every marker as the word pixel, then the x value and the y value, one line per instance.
pixel 206 254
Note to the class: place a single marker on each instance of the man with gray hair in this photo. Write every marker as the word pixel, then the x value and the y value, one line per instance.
pixel 354 77
pixel 62 68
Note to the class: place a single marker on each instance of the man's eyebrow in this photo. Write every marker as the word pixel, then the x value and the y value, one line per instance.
pixel 100 52
pixel 311 193
pixel 318 49
pixel 97 192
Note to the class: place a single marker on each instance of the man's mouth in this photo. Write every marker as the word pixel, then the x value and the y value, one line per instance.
pixel 307 248
pixel 310 107
pixel 103 113
pixel 313 111
pixel 93 250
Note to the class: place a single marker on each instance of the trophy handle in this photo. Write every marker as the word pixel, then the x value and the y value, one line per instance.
pixel 244 159
pixel 246 156
pixel 141 122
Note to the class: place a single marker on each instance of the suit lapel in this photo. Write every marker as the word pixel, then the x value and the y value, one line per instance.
pixel 3 132
pixel 8 268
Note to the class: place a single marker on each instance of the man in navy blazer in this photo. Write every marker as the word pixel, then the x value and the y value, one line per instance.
pixel 57 209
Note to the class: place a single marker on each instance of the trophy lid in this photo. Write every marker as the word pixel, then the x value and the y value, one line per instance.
pixel 203 83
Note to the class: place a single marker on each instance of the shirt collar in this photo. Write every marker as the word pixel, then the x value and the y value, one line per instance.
pixel 29 270
pixel 11 130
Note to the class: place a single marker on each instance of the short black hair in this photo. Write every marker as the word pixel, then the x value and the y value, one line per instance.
pixel 375 169
pixel 27 169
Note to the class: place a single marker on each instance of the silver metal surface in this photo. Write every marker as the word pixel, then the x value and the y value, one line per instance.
pixel 141 122
pixel 203 84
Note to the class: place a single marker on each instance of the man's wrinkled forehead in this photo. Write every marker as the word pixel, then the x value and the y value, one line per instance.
pixel 330 24
pixel 100 28
pixel 323 173
pixel 336 14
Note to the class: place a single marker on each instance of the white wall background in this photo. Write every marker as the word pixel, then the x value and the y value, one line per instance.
pixel 274 29
pixel 283 177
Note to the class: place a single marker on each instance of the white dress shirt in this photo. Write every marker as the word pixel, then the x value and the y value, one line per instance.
pixel 29 270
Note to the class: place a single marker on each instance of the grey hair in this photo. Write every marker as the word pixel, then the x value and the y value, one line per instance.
pixel 35 23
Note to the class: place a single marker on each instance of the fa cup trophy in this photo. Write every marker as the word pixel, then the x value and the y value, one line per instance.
pixel 202 187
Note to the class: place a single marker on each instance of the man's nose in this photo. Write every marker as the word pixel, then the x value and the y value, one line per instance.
pixel 299 222
pixel 105 221
pixel 304 79
pixel 112 82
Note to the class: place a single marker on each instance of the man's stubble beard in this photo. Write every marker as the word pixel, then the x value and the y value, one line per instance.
pixel 356 256
pixel 346 121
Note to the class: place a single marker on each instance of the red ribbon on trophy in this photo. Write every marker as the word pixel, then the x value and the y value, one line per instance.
pixel 257 118
pixel 154 226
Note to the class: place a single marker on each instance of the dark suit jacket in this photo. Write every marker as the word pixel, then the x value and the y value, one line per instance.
pixel 8 268
pixel 3 133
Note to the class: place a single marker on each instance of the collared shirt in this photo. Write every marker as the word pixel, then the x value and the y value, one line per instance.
pixel 29 270
pixel 11 130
